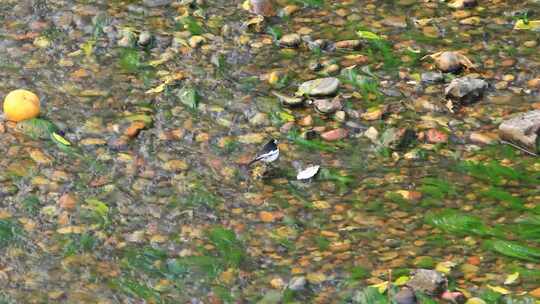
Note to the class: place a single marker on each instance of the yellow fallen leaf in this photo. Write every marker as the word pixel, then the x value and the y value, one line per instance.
pixel 445 267
pixel 511 278
pixel 166 56
pixel 168 79
pixel 475 301
pixel 316 277
pixel 402 280
pixel 381 287
pixel 321 205
pixel 246 5
pixel 499 289
pixel 531 25
pixel 157 89
pixel 71 229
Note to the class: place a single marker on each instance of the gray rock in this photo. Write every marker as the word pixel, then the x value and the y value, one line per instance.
pixel 290 40
pixel 156 3
pixel 432 77
pixel 328 106
pixel 297 283
pixel 428 281
pixel 523 129
pixel 405 296
pixel 466 89
pixel 319 87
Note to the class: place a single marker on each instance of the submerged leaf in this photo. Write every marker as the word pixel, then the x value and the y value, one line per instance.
pixel 514 250
pixel 368 35
pixel 453 221
pixel 371 295
pixel 533 25
pixel 189 97
pixel 60 139
pixel 228 246
pixel 36 128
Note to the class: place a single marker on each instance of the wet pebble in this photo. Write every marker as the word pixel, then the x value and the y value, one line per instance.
pixel 435 136
pixel 432 77
pixel 328 106
pixel 348 44
pixel 334 135
pixel 319 87
pixel 290 40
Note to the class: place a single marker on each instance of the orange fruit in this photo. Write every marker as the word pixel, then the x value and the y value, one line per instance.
pixel 20 105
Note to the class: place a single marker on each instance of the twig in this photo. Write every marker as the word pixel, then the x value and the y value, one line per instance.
pixel 518 147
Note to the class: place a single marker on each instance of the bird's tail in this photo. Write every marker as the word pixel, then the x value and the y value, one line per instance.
pixel 253 161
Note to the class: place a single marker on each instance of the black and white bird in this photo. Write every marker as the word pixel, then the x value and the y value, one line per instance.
pixel 268 154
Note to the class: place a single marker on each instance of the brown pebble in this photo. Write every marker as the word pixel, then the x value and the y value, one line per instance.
pixel 67 201
pixel 306 121
pixel 508 62
pixel 534 83
pixel 334 135
pixel 134 128
pixel 286 127
pixel 435 136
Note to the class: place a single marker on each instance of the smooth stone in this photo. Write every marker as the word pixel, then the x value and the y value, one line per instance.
pixel 523 129
pixel 319 87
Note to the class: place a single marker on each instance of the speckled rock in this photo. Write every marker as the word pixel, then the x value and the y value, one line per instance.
pixel 428 281
pixel 405 296
pixel 466 89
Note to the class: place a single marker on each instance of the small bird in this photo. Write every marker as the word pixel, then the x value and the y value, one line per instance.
pixel 268 154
